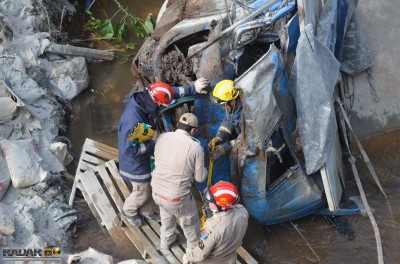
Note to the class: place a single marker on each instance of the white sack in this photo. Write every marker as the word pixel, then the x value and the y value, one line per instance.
pixel 69 77
pixel 24 163
pixel 8 109
pixel 91 256
pixel 60 150
pixel 7 226
pixel 4 176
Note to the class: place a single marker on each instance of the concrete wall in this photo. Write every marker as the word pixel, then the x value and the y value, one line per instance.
pixel 380 23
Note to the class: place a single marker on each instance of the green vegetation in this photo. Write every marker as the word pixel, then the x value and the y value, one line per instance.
pixel 115 31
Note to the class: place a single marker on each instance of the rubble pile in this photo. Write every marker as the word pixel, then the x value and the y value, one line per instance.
pixel 34 85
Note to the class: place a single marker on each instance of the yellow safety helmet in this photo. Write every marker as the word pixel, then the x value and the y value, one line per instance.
pixel 225 91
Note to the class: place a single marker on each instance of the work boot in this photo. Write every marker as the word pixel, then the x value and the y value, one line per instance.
pixel 165 246
pixel 135 220
pixel 154 217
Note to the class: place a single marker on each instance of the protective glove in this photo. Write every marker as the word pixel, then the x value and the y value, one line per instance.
pixel 141 133
pixel 217 153
pixel 217 141
pixel 184 259
pixel 201 84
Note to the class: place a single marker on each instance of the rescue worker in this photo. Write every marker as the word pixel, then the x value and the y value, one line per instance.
pixel 179 160
pixel 227 96
pixel 134 155
pixel 222 234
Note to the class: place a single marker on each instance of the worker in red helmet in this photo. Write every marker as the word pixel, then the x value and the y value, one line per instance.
pixel 135 143
pixel 222 234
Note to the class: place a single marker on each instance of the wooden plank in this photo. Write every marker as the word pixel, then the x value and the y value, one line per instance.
pixel 136 241
pixel 73 191
pixel 156 241
pixel 110 186
pixel 146 243
pixel 92 187
pixel 100 147
pixel 87 157
pixel 101 203
pixel 99 152
pixel 146 239
pixel 117 177
pixel 246 256
pixel 89 203
pixel 176 250
pixel 84 166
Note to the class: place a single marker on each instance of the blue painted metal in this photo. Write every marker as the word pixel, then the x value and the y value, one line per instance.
pixel 266 21
pixel 294 33
pixel 342 21
pixel 347 211
pixel 294 193
pixel 283 11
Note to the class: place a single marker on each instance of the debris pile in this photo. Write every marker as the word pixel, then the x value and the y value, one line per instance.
pixel 34 85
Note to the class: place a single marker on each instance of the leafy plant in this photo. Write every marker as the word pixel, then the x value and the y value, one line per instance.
pixel 108 30
pixel 113 31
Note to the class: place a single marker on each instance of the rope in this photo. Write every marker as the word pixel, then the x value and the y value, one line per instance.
pixel 203 217
pixel 308 244
pixel 373 91
pixel 363 153
pixel 359 185
pixel 210 165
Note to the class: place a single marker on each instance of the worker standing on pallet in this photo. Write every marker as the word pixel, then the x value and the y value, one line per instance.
pixel 179 161
pixel 222 234
pixel 135 143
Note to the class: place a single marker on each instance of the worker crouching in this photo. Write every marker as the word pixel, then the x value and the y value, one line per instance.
pixel 223 233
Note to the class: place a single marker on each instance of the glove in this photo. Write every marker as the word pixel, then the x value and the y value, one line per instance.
pixel 217 141
pixel 217 153
pixel 142 133
pixel 184 259
pixel 200 85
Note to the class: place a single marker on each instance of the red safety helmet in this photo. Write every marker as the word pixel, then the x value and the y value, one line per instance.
pixel 161 93
pixel 224 194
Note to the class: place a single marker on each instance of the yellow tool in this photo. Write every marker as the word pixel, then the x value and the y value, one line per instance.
pixel 203 218
pixel 142 133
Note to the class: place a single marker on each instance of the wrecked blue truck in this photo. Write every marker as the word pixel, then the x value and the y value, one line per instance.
pixel 289 59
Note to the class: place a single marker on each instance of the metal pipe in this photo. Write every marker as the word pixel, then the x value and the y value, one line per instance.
pixel 229 29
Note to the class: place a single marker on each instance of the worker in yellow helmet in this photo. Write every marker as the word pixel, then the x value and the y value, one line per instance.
pixel 228 97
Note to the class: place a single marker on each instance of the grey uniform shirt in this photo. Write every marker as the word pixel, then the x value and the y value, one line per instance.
pixel 221 236
pixel 179 159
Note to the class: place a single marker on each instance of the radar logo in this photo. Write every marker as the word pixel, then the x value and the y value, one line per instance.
pixel 31 254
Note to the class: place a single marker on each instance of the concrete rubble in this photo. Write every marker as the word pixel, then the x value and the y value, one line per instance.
pixel 34 87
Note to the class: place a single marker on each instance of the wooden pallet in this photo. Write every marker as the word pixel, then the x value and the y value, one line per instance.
pixel 93 154
pixel 105 191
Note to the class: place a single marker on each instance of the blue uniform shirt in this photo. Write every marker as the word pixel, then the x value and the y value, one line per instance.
pixel 134 162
